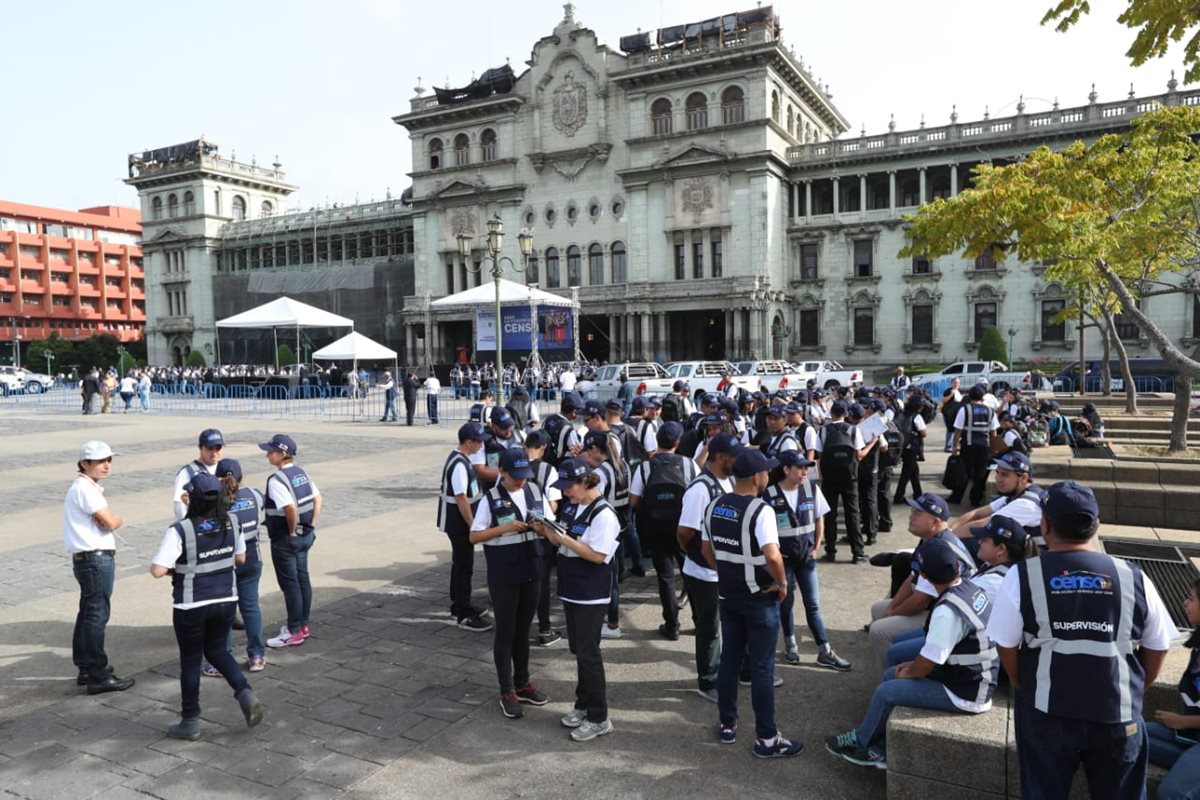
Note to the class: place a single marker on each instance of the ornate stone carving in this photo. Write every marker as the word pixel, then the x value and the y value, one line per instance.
pixel 462 220
pixel 696 197
pixel 570 106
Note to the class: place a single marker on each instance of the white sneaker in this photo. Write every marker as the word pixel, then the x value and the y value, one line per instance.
pixel 590 730
pixel 575 718
pixel 609 633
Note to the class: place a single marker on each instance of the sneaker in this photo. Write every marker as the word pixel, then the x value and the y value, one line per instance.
pixel 304 629
pixel 668 632
pixel 609 633
pixel 209 671
pixel 746 682
pixel 547 638
pixel 829 558
pixel 258 663
pixel 846 746
pixel 532 695
pixel 782 748
pixel 792 655
pixel 511 706
pixel 859 559
pixel 831 660
pixel 727 734
pixel 575 718
pixel 638 572
pixel 708 694
pixel 476 623
pixel 590 730
pixel 287 639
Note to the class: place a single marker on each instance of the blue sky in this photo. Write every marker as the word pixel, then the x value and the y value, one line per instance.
pixel 316 83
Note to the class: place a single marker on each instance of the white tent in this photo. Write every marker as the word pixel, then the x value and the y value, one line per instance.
pixel 283 312
pixel 355 347
pixel 511 294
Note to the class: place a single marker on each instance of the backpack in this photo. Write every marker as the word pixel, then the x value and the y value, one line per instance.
pixel 662 500
pixel 838 461
pixel 518 414
pixel 1059 430
pixel 553 426
pixel 928 410
pixel 631 445
pixel 897 440
pixel 673 409
pixel 1038 436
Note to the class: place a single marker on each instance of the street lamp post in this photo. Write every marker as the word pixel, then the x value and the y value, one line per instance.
pixel 1012 333
pixel 120 360
pixel 49 358
pixel 17 349
pixel 493 243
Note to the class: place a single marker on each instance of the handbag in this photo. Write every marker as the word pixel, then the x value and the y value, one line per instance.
pixel 955 476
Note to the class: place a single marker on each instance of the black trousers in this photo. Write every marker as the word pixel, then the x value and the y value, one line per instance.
pixel 664 552
pixel 513 606
pixel 975 458
pixel 868 503
pixel 847 492
pixel 583 636
pixel 704 600
pixel 203 633
pixel 910 474
pixel 410 408
pixel 462 568
pixel 545 564
pixel 883 498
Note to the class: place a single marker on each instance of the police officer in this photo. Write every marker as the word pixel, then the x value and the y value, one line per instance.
pixel 293 506
pixel 246 507
pixel 842 448
pixel 973 427
pixel 586 542
pixel 211 444
pixel 456 513
pixel 1081 635
pixel 199 553
pixel 741 542
pixel 510 547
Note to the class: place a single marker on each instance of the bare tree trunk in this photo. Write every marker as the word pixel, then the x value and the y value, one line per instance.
pixel 1180 412
pixel 1104 323
pixel 1131 406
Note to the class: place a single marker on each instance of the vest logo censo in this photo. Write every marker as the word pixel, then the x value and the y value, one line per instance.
pixel 299 480
pixel 725 512
pixel 979 602
pixel 240 505
pixel 1082 581
pixel 206 525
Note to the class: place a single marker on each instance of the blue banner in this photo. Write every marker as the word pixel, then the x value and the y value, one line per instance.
pixel 554 328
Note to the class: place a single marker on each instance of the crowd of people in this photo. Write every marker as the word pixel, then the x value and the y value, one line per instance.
pixel 743 496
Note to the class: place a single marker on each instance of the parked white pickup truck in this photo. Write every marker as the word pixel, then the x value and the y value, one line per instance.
pixel 646 377
pixel 705 376
pixel 969 372
pixel 773 375
pixel 827 374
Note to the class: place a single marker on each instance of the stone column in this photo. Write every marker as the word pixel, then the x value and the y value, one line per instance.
pixel 628 345
pixel 921 200
pixel 739 334
pixel 892 191
pixel 807 200
pixel 862 194
pixel 954 180
pixel 613 347
pixel 837 199
pixel 647 350
pixel 730 333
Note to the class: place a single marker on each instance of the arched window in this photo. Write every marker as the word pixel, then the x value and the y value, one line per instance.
pixel 239 208
pixel 552 281
pixel 595 265
pixel 267 208
pixel 697 111
pixel 660 116
pixel 156 208
pixel 791 121
pixel 435 153
pixel 172 206
pixel 574 257
pixel 733 106
pixel 618 262
pixel 189 204
pixel 531 268
pixel 775 106
pixel 462 150
pixel 487 141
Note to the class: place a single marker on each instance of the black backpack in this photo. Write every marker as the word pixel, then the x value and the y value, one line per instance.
pixel 631 446
pixel 896 439
pixel 929 410
pixel 673 409
pixel 553 426
pixel 838 459
pixel 662 499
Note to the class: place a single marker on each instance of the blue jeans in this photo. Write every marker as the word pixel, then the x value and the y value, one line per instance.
pixel 749 626
pixel 290 555
pixel 629 538
pixel 803 576
pixel 248 575
pixel 1115 763
pixel 389 408
pixel 144 398
pixel 949 438
pixel 905 646
pixel 1182 759
pixel 892 692
pixel 431 406
pixel 95 573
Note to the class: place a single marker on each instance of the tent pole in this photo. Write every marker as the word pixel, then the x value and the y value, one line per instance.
pixel 275 333
pixel 575 326
pixel 534 360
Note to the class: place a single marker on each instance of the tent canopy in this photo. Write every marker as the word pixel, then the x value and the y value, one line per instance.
pixel 355 347
pixel 285 313
pixel 511 294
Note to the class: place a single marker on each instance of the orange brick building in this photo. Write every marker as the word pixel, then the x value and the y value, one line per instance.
pixel 77 273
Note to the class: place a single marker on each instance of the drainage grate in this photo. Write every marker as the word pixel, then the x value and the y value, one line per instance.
pixel 1166 564
pixel 1096 451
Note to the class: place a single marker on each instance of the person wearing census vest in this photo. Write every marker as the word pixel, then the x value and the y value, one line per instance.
pixel 695 433
pixel 955 671
pixel 293 506
pixel 200 553
pixel 973 428
pixel 544 477
pixel 912 425
pixel 560 427
pixel 907 607
pixel 780 438
pixel 587 539
pixel 1175 738
pixel 700 579
pixel 1081 634
pixel 656 496
pixel 501 525
pixel 246 507
pixel 602 452
pixel 596 417
pixel 870 428
pixel 800 507
pixel 481 412
pixel 741 542
pixel 842 448
pixel 1018 498
pixel 211 444
pixel 504 436
pixel 460 498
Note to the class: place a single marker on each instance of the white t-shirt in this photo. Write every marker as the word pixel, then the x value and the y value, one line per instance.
pixel 947 629
pixel 1025 511
pixel 820 504
pixel 281 495
pixel 483 516
pixel 918 423
pixel 128 385
pixel 601 536
pixel 182 478
pixel 459 482
pixel 766 530
pixel 567 381
pixel 960 420
pixel 432 385
pixel 695 503
pixel 991 401
pixel 1011 437
pixel 169 551
pixel 81 532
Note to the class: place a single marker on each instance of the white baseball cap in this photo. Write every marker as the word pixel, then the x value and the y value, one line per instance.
pixel 95 451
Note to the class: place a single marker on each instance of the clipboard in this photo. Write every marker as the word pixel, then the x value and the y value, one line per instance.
pixel 549 523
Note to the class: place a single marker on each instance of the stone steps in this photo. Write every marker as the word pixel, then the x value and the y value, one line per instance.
pixel 1131 491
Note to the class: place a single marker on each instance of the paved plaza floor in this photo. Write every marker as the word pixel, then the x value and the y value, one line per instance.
pixel 387 699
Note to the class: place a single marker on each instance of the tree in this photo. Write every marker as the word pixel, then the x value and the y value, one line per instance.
pixel 1158 24
pixel 284 355
pixel 991 345
pixel 1123 212
pixel 61 351
pixel 195 359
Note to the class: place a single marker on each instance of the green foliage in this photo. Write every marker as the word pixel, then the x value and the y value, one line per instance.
pixel 991 345
pixel 195 359
pixel 285 355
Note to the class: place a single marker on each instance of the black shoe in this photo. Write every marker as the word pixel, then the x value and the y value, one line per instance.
pixel 885 528
pixel 668 632
pixel 882 559
pixel 899 501
pixel 859 559
pixel 82 678
pixel 638 572
pixel 871 541
pixel 110 684
pixel 829 558
pixel 475 623
pixel 510 705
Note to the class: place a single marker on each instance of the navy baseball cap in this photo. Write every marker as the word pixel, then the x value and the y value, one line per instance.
pixel 595 439
pixel 793 408
pixel 713 419
pixel 1002 529
pixel 537 438
pixel 501 418
pixel 710 400
pixel 838 409
pixel 680 386
pixel 723 442
pixel 211 437
pixel 857 411
pixel 654 401
pixel 203 485
pixel 515 463
pixel 938 561
pixel 614 405
pixel 669 434
pixel 472 432
pixel 793 458
pixel 1071 507
pixel 975 393
pixel 775 411
pixel 569 403
pixel 877 405
pixel 931 504
pixel 750 461
pixel 570 472
pixel 280 442
pixel 593 408
pixel 1014 462
pixel 639 403
pixel 229 466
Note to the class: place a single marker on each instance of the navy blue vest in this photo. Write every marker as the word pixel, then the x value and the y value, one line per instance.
pixel 296 481
pixel 741 566
pixel 578 578
pixel 1189 684
pixel 1083 616
pixel 797 526
pixel 978 419
pixel 449 519
pixel 966 563
pixel 204 570
pixel 973 665
pixel 246 513
pixel 715 490
pixel 775 446
pixel 511 558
